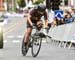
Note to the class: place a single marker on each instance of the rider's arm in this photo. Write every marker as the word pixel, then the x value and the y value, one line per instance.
pixel 46 19
pixel 46 23
pixel 29 20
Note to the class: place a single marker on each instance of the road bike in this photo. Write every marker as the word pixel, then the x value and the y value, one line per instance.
pixel 35 42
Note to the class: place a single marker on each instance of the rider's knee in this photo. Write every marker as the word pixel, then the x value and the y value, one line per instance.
pixel 28 32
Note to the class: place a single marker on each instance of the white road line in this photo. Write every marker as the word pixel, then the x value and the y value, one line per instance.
pixel 10 36
pixel 44 41
pixel 20 36
pixel 5 41
pixel 16 41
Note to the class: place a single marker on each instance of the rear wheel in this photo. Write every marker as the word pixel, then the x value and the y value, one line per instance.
pixel 1 39
pixel 24 48
pixel 36 45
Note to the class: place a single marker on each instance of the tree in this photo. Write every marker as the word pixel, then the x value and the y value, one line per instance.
pixel 55 4
pixel 48 4
pixel 21 3
pixel 38 2
pixel 66 2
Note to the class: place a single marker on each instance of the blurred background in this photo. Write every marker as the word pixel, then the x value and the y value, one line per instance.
pixel 14 5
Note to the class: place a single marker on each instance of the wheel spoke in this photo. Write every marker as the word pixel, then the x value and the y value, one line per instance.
pixel 36 45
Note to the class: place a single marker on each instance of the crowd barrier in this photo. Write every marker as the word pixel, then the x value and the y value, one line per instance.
pixel 63 33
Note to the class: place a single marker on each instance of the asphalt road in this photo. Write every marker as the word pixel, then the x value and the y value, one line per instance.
pixel 13 35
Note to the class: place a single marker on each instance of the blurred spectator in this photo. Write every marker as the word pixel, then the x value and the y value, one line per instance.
pixel 73 13
pixel 51 17
pixel 59 21
pixel 68 17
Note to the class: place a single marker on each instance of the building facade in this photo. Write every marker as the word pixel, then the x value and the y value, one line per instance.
pixel 2 5
pixel 71 2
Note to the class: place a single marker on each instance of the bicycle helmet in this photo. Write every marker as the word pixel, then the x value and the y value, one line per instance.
pixel 41 7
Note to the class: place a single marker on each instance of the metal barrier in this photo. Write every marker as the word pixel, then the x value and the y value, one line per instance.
pixel 63 33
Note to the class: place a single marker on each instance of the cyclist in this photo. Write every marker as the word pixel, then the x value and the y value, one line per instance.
pixel 34 17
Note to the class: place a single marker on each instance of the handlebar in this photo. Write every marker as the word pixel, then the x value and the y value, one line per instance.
pixel 42 26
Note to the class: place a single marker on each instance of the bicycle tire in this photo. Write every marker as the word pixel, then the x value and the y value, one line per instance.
pixel 23 48
pixel 39 46
pixel 1 39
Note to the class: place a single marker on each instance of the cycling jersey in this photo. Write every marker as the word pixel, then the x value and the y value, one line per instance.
pixel 35 16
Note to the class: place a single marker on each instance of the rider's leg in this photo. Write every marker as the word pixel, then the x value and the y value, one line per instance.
pixel 27 35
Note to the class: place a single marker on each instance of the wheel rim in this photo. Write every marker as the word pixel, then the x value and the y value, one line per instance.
pixel 36 45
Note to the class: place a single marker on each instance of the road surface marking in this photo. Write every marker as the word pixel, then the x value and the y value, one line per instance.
pixel 10 36
pixel 14 26
pixel 20 36
pixel 5 41
pixel 16 41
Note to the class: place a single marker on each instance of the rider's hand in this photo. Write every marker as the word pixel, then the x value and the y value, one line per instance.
pixel 39 24
pixel 45 26
pixel 31 24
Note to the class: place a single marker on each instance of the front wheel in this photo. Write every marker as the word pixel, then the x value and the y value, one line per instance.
pixel 36 45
